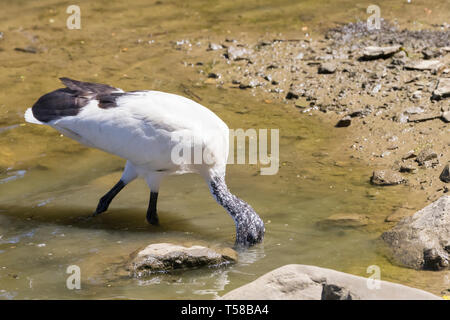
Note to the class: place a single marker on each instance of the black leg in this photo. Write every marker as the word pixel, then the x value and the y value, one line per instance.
pixel 152 216
pixel 104 202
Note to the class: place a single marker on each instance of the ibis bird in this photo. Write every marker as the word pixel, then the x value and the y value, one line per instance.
pixel 145 127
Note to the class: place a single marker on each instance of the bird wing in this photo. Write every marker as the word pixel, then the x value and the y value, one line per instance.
pixel 140 126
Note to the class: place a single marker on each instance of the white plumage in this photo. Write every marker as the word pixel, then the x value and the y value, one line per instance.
pixel 144 127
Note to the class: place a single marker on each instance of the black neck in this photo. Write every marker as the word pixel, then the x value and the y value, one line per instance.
pixel 249 226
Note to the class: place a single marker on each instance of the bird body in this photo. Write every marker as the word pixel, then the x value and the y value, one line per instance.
pixel 144 127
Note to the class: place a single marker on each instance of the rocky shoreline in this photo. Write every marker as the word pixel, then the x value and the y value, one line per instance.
pixel 388 88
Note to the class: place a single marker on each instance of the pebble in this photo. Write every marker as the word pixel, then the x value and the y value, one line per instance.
pixel 344 122
pixel 327 68
pixel 445 175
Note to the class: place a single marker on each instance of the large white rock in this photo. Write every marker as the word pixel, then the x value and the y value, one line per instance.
pixel 302 282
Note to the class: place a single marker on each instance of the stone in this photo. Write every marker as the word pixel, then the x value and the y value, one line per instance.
pixel 430 54
pixel 213 75
pixel 409 155
pixel 422 65
pixel 414 110
pixel 417 95
pixel 28 49
pixel 291 95
pixel 303 282
pixel 408 167
pixel 214 46
pixel 424 117
pixel 445 175
pixel 327 68
pixel 446 116
pixel 344 122
pixel 386 178
pixel 421 240
pixel 165 257
pixel 372 52
pixel 237 53
pixel 442 89
pixel 426 154
pixel 344 220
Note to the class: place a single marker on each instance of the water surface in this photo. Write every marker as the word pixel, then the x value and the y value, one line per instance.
pixel 49 185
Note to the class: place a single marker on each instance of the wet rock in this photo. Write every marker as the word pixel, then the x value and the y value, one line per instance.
pixel 442 89
pixel 445 175
pixel 386 178
pixel 303 282
pixel 164 257
pixel 344 122
pixel 426 154
pixel 360 113
pixel 237 53
pixel 372 52
pixel 213 75
pixel 420 241
pixel 251 84
pixel 291 95
pixel 344 220
pixel 327 68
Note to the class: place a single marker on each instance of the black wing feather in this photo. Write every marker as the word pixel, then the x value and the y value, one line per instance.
pixel 69 101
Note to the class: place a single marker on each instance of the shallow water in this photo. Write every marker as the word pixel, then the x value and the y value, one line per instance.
pixel 49 184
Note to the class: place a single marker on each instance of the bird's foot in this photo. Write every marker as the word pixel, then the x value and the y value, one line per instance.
pixel 101 207
pixel 153 219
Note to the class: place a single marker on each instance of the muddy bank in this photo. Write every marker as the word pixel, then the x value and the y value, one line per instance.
pixel 388 89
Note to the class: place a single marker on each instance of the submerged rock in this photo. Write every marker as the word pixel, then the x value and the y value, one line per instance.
pixel 164 257
pixel 386 178
pixel 344 122
pixel 346 220
pixel 302 282
pixel 399 215
pixel 422 241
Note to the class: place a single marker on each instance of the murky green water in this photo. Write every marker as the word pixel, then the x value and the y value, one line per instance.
pixel 50 184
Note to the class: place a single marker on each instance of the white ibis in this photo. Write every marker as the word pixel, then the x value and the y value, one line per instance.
pixel 140 127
